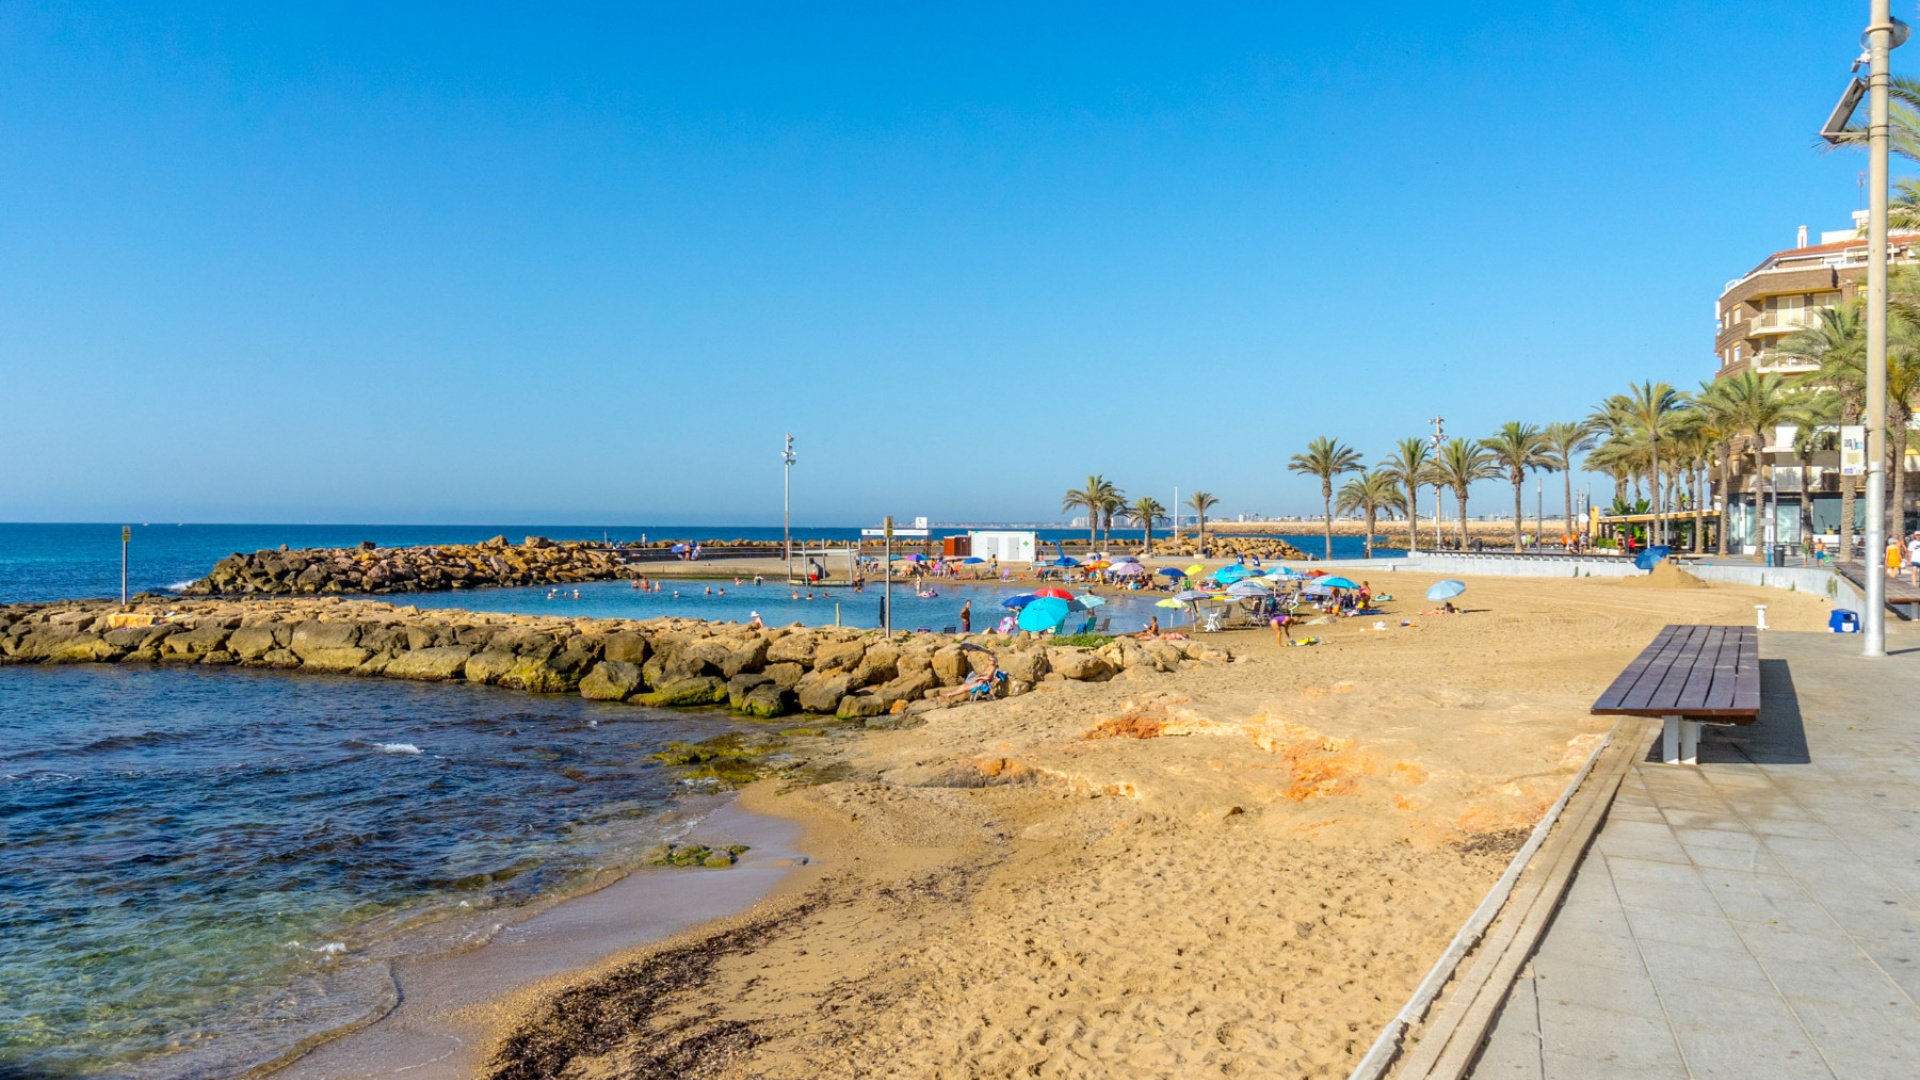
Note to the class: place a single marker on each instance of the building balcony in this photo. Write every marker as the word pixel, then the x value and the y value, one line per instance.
pixel 1770 364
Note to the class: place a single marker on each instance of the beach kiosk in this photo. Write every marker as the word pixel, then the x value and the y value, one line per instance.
pixel 1011 545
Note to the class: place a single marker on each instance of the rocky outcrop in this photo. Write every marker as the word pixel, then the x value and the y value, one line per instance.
pixel 1227 547
pixel 378 571
pixel 665 663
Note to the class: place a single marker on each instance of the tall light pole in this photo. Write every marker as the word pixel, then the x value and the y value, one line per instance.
pixel 1881 39
pixel 126 537
pixel 786 506
pixel 1439 502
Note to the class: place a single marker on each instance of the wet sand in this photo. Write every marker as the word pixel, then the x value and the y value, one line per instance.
pixel 448 1003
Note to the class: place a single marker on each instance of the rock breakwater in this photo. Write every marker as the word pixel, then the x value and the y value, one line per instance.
pixel 670 662
pixel 377 570
pixel 1265 547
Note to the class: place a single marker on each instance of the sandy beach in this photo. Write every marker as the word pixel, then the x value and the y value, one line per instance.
pixel 1238 869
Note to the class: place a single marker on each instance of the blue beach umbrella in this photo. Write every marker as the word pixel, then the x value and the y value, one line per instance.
pixel 1046 613
pixel 1227 575
pixel 1169 571
pixel 1242 590
pixel 1446 590
pixel 1066 560
pixel 1338 583
pixel 1190 595
pixel 1089 601
pixel 1020 601
pixel 972 560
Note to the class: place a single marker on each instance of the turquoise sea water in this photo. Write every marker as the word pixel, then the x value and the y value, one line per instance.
pixel 199 867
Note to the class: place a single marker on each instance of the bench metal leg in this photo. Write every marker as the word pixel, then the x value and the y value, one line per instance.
pixel 1680 741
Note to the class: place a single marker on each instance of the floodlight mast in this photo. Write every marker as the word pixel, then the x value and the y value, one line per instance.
pixel 1883 33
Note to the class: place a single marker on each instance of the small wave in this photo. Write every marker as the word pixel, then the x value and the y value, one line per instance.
pixel 180 586
pixel 396 748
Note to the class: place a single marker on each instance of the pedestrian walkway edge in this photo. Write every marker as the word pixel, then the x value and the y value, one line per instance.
pixel 1504 930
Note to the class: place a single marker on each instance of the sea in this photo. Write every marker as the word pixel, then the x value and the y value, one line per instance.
pixel 201 868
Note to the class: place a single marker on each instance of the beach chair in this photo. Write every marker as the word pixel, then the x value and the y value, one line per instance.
pixel 949 629
pixel 1105 625
pixel 1212 617
pixel 1086 627
pixel 987 688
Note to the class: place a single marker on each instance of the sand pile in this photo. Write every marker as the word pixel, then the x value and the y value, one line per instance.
pixel 1234 870
pixel 1666 575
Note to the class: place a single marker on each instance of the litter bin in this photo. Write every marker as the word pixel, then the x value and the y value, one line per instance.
pixel 1842 621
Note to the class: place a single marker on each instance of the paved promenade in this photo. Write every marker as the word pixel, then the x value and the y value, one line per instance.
pixel 1757 916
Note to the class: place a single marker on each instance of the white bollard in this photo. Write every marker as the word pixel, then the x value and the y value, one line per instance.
pixel 1760 612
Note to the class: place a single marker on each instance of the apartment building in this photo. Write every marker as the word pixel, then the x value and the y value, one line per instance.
pixel 1788 289
pixel 1754 314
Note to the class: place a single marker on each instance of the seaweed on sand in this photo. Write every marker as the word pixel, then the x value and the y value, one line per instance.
pixel 633 1012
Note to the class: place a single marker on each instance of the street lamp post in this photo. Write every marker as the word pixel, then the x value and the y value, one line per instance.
pixel 1883 34
pixel 126 538
pixel 786 506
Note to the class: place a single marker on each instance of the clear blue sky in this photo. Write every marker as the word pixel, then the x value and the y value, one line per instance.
pixel 552 264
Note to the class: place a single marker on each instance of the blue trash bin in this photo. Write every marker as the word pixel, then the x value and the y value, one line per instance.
pixel 1842 621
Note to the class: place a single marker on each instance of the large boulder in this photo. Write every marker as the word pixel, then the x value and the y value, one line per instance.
pixel 332 661
pixel 880 664
pixel 861 706
pixel 314 636
pixel 193 644
pixel 792 648
pixel 57 647
pixel 950 665
pixel 786 676
pixel 819 693
pixel 250 643
pixel 611 680
pixel 749 655
pixel 766 701
pixel 437 664
pixel 740 686
pixel 839 656
pixel 700 690
pixel 1079 664
pixel 537 677
pixel 628 648
pixel 909 687
pixel 487 665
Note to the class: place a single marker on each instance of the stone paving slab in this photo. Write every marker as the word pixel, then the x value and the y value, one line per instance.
pixel 1756 916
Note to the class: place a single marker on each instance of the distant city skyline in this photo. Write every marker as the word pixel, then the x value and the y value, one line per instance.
pixel 447 265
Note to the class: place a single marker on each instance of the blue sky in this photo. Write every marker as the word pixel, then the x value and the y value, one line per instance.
pixel 590 265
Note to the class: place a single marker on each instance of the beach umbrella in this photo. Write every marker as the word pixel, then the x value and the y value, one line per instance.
pixel 1189 595
pixel 1090 600
pixel 1338 583
pixel 1227 575
pixel 1066 560
pixel 1244 589
pixel 1019 601
pixel 1127 569
pixel 916 557
pixel 1127 558
pixel 1196 568
pixel 1446 590
pixel 1054 591
pixel 972 560
pixel 1097 564
pixel 1045 613
pixel 1169 571
pixel 1169 602
pixel 678 549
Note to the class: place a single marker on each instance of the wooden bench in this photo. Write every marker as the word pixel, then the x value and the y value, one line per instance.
pixel 1689 676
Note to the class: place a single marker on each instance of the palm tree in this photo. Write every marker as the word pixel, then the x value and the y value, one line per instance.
pixel 1369 493
pixel 1649 409
pixel 1326 458
pixel 1517 447
pixel 1115 502
pixel 1201 502
pixel 1753 405
pixel 1145 511
pixel 1459 463
pixel 1408 465
pixel 1837 344
pixel 1094 499
pixel 1716 428
pixel 1563 440
pixel 1814 434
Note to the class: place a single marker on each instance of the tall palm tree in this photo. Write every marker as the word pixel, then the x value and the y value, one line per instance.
pixel 1326 458
pixel 1753 405
pixel 1145 511
pixel 1200 502
pixel 1458 464
pixel 1717 427
pixel 1837 344
pixel 1818 413
pixel 1094 499
pixel 1368 494
pixel 1517 447
pixel 1408 465
pixel 1649 409
pixel 1564 440
pixel 1115 502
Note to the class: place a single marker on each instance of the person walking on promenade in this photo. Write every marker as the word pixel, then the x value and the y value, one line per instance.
pixel 1894 554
